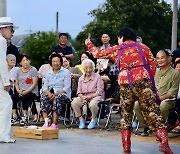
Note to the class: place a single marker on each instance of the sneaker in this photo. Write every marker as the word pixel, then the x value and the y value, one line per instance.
pixel 176 130
pixel 82 123
pixel 146 132
pixel 92 124
pixel 54 126
pixel 14 121
pixel 23 121
pixel 134 124
pixel 8 141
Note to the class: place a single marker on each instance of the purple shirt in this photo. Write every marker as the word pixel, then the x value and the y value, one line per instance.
pixel 94 85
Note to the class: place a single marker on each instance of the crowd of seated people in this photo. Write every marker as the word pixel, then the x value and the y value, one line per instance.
pixel 107 75
pixel 56 92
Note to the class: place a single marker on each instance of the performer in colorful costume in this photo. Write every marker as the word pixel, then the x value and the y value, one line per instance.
pixel 137 67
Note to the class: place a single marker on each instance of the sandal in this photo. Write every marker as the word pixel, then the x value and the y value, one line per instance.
pixel 41 119
pixel 35 118
pixel 176 130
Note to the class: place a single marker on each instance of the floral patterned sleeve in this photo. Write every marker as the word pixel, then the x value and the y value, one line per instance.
pixel 150 59
pixel 110 53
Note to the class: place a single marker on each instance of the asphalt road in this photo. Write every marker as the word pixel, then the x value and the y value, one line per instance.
pixel 72 143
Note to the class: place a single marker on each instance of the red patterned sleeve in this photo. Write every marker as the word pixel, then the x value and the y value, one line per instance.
pixel 110 53
pixel 150 59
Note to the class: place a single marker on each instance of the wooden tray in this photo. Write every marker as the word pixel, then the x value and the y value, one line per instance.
pixel 39 133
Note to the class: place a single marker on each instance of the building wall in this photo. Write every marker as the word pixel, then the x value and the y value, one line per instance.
pixel 3 8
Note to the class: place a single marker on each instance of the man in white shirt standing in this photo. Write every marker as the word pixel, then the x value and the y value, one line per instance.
pixel 6 32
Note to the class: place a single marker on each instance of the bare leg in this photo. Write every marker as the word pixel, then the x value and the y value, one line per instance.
pixel 55 118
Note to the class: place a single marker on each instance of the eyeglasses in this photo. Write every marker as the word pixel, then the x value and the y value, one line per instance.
pixel 12 30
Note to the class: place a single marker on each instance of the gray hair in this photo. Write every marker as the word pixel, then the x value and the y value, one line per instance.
pixel 9 56
pixel 139 37
pixel 88 61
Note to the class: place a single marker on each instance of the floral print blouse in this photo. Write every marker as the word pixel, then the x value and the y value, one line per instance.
pixel 130 57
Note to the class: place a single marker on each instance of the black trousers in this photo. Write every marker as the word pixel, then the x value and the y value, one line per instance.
pixel 26 101
pixel 172 118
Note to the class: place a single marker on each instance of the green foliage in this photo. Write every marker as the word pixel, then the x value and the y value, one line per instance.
pixel 150 18
pixel 38 45
pixel 76 45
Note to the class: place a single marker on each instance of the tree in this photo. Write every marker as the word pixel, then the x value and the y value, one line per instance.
pixel 151 19
pixel 38 45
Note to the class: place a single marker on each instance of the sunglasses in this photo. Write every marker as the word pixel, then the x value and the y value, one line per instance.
pixel 12 30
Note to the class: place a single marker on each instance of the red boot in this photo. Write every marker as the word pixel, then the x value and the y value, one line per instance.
pixel 163 138
pixel 126 140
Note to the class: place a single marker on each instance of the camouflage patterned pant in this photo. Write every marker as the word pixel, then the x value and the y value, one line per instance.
pixel 142 91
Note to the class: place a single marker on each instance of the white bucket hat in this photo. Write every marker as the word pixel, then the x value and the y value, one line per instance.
pixel 6 22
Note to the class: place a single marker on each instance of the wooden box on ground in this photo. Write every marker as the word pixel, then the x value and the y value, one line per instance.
pixel 39 133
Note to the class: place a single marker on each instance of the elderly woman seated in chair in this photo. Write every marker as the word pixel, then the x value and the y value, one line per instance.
pixel 56 90
pixel 90 92
pixel 26 87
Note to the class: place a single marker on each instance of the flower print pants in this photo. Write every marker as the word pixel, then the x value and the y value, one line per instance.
pixel 56 105
pixel 143 92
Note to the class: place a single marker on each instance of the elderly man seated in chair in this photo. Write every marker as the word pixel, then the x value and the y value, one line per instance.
pixel 167 83
pixel 90 92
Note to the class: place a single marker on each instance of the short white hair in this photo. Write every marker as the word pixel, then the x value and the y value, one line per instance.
pixel 9 56
pixel 88 61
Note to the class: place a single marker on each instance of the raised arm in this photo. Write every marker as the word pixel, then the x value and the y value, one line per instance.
pixel 110 53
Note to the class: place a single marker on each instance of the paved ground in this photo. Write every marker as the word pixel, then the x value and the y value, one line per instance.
pixel 73 141
pixel 97 141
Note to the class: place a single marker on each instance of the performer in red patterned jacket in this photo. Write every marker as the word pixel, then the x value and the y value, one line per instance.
pixel 137 67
